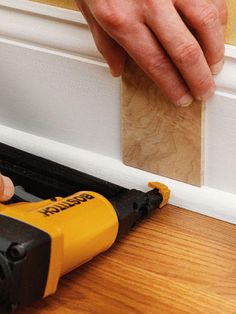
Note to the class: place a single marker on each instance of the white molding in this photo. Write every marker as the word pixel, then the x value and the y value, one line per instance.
pixel 226 80
pixel 44 10
pixel 33 34
pixel 30 23
pixel 205 200
pixel 59 96
pixel 65 32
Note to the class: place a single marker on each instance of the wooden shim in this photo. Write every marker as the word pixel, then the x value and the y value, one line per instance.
pixel 156 135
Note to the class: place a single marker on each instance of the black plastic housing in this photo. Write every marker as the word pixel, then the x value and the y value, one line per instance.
pixel 24 263
pixel 133 206
pixel 46 179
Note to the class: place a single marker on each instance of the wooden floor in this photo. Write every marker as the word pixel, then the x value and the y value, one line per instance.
pixel 176 262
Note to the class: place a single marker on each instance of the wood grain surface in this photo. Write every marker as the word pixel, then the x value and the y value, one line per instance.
pixel 175 262
pixel 156 135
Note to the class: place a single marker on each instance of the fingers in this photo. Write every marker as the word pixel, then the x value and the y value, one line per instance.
pixel 6 188
pixel 184 50
pixel 109 48
pixel 204 18
pixel 144 48
pixel 161 42
pixel 111 51
pixel 151 57
pixel 140 43
pixel 221 5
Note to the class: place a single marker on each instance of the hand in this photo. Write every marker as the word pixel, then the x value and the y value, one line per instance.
pixel 6 189
pixel 178 43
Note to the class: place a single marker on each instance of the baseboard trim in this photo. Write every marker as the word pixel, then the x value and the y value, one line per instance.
pixel 66 32
pixel 45 26
pixel 204 200
pixel 226 80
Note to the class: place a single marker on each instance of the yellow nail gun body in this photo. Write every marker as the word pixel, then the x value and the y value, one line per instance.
pixel 43 240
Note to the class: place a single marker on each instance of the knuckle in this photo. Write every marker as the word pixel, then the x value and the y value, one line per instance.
pixel 220 53
pixel 209 16
pixel 188 54
pixel 150 4
pixel 157 65
pixel 204 84
pixel 224 15
pixel 111 18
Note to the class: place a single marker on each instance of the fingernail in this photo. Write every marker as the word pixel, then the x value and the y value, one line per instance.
pixel 216 68
pixel 185 101
pixel 210 93
pixel 113 72
pixel 8 187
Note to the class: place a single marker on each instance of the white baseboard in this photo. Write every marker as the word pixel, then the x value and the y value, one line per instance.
pixel 66 32
pixel 204 200
pixel 42 26
pixel 226 80
pixel 55 85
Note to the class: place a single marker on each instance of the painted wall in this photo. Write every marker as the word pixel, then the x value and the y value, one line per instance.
pixel 231 30
pixel 69 4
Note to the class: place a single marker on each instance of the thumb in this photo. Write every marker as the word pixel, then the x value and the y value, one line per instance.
pixel 6 189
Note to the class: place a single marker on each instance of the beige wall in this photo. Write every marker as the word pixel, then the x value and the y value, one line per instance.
pixel 69 4
pixel 231 30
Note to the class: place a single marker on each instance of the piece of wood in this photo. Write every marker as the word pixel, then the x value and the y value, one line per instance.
pixel 175 262
pixel 156 135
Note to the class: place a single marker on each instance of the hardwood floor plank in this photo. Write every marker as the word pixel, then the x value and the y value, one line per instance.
pixel 175 262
